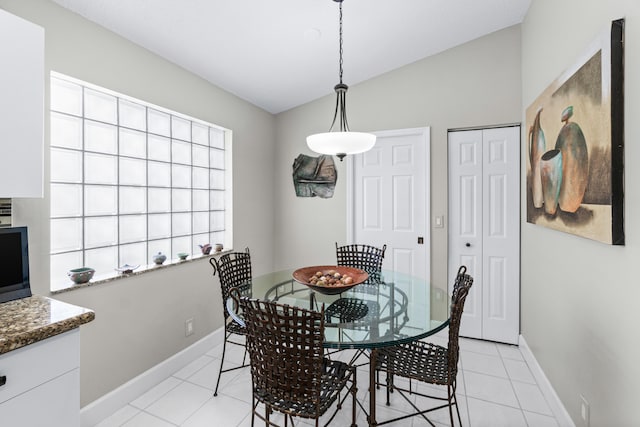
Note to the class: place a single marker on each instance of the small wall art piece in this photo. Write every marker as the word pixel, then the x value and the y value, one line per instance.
pixel 314 176
pixel 575 146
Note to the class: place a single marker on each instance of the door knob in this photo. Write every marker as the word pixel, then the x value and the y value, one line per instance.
pixel 468 245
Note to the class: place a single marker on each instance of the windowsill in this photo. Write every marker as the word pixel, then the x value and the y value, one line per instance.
pixel 143 269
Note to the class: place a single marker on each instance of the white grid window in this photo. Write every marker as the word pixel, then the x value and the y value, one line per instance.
pixel 129 180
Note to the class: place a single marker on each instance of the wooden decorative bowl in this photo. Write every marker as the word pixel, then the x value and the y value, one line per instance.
pixel 304 275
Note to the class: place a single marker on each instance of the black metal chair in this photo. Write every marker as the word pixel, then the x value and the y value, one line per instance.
pixel 426 362
pixel 347 310
pixel 367 258
pixel 234 271
pixel 288 371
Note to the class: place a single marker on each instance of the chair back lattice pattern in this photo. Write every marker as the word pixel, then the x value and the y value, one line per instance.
pixel 285 348
pixel 461 288
pixel 365 257
pixel 234 270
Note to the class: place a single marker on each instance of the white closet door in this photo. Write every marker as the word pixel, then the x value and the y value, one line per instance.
pixel 484 235
pixel 501 235
pixel 465 222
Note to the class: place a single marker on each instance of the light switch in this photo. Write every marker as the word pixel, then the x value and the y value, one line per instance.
pixel 439 221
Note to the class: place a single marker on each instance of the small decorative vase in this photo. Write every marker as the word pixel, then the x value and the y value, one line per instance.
pixel 537 147
pixel 575 163
pixel 219 247
pixel 206 249
pixel 81 275
pixel 159 258
pixel 551 179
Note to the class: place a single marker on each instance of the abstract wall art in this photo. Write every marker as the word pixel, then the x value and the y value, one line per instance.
pixel 575 146
pixel 314 176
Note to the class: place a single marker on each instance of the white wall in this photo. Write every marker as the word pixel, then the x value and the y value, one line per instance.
pixel 140 320
pixel 475 84
pixel 579 297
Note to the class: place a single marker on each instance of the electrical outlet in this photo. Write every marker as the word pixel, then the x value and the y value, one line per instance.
pixel 188 327
pixel 584 411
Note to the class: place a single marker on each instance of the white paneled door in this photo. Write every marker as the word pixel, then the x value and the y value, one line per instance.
pixel 484 231
pixel 389 199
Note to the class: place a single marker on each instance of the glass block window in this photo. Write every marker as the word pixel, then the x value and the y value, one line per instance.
pixel 129 180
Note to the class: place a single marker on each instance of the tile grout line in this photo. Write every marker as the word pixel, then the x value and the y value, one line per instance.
pixel 159 397
pixel 464 396
pixel 195 412
pixel 512 381
pixel 544 397
pixel 464 383
pixel 137 411
pixel 157 417
pixel 514 389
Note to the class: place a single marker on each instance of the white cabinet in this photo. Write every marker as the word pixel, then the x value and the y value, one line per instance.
pixel 42 386
pixel 484 229
pixel 21 107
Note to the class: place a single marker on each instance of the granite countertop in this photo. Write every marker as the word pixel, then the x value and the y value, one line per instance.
pixel 29 320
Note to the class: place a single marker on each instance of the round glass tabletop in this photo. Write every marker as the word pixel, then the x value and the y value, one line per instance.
pixel 386 310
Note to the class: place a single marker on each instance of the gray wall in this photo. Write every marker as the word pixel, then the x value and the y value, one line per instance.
pixel 578 301
pixel 474 84
pixel 579 297
pixel 140 321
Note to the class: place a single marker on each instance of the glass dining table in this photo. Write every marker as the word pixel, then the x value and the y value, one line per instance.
pixel 385 310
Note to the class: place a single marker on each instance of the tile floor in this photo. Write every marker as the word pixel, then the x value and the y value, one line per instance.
pixel 495 389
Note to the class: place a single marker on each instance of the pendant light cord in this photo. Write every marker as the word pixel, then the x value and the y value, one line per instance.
pixel 340 50
pixel 340 113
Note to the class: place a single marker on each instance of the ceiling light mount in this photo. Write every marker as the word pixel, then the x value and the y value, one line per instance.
pixel 341 141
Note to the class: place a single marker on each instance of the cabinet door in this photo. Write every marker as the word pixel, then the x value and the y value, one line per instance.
pixel 21 107
pixel 55 403
pixel 35 364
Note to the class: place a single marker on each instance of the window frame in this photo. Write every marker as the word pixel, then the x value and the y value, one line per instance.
pixel 185 198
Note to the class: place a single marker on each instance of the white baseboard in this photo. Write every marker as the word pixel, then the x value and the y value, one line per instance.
pixel 558 409
pixel 101 408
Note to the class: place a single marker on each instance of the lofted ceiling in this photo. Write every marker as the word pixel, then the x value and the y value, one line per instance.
pixel 279 54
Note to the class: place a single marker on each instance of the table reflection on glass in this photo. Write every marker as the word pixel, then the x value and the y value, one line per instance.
pixel 389 309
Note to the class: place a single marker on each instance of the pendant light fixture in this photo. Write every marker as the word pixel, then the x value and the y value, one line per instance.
pixel 341 141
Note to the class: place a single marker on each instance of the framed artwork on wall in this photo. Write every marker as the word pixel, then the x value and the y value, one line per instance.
pixel 575 146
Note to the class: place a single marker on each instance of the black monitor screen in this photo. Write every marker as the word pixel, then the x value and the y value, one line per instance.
pixel 14 262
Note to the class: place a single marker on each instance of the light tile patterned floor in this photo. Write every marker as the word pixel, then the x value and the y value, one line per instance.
pixel 495 389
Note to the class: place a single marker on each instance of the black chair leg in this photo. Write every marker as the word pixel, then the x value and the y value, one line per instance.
pixel 389 385
pixel 354 402
pixel 224 349
pixel 455 400
pixel 253 410
pixel 451 394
